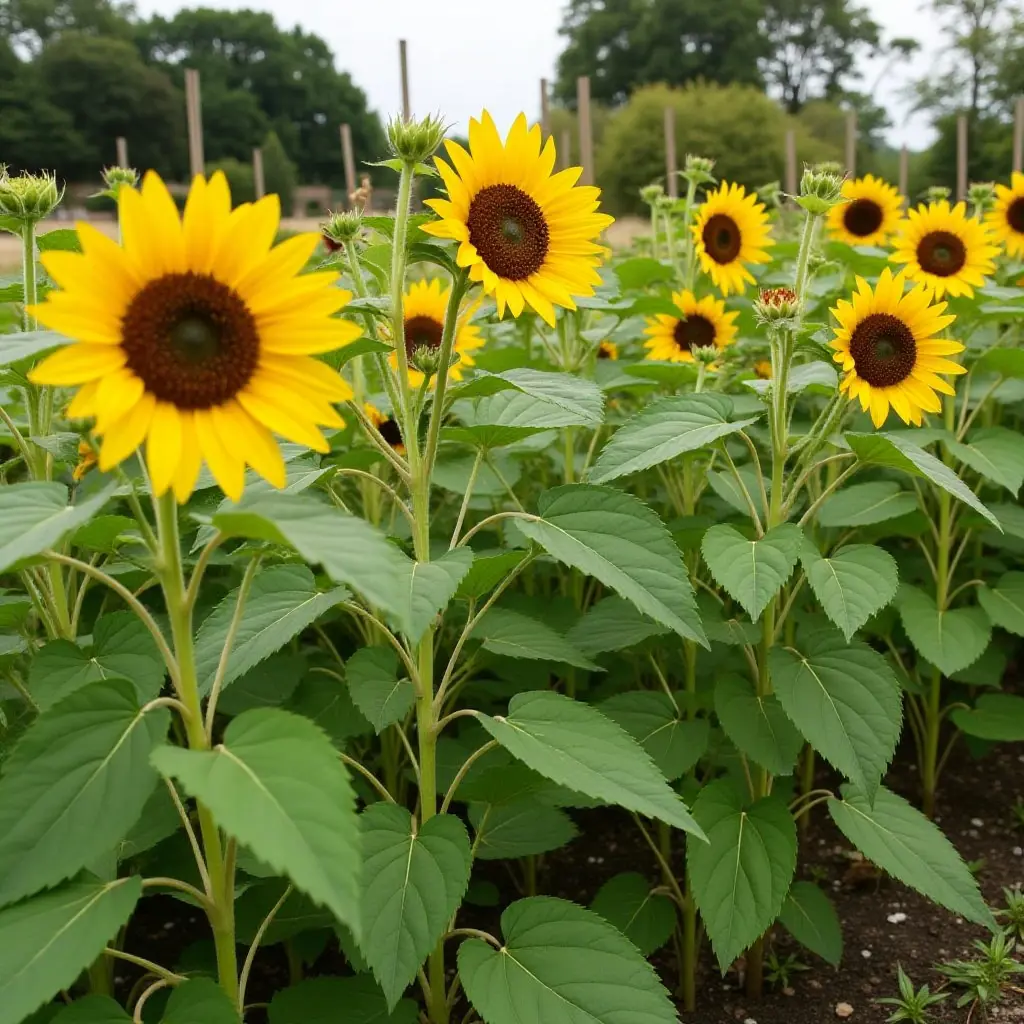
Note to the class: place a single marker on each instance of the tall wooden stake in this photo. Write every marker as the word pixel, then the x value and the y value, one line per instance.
pixel 671 164
pixel 194 111
pixel 851 143
pixel 403 60
pixel 904 182
pixel 961 157
pixel 565 150
pixel 791 170
pixel 348 157
pixel 586 134
pixel 545 109
pixel 259 183
pixel 1018 135
pixel 122 151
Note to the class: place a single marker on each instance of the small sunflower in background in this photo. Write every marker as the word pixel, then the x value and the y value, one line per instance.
pixel 424 308
pixel 869 215
pixel 731 230
pixel 526 234
pixel 945 249
pixel 387 426
pixel 886 343
pixel 607 350
pixel 1006 218
pixel 763 369
pixel 87 459
pixel 701 323
pixel 196 337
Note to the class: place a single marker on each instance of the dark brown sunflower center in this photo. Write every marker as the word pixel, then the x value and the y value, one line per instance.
pixel 1015 215
pixel 883 349
pixel 509 231
pixel 862 217
pixel 422 332
pixel 191 340
pixel 604 351
pixel 390 432
pixel 722 238
pixel 941 253
pixel 693 332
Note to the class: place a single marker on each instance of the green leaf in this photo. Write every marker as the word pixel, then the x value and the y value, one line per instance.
pixel 866 504
pixel 641 271
pixel 819 375
pixel 519 828
pixel 16 349
pixel 498 418
pixel 645 917
pixel 319 1001
pixel 268 685
pixel 34 516
pixel 612 624
pixel 326 701
pixel 1007 362
pixel 757 725
pixel 752 571
pixel 13 291
pixel 488 435
pixel 575 745
pixel 92 1009
pixel 282 601
pixel 740 877
pixel 903 842
pixel 486 572
pixel 14 610
pixel 952 639
pixel 1004 603
pixel 199 1001
pixel 376 688
pixel 296 915
pixel 809 916
pixel 620 541
pixel 674 744
pixel 852 583
pixel 429 587
pixel 665 430
pixel 994 452
pixel 276 784
pixel 515 635
pixel 414 882
pixel 47 941
pixel 61 240
pixel 846 701
pixel 74 785
pixel 158 819
pixel 561 964
pixel 104 533
pixel 998 717
pixel 121 647
pixel 896 452
pixel 582 399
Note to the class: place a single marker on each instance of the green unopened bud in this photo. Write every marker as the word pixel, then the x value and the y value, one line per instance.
pixel 417 139
pixel 117 178
pixel 697 169
pixel 29 197
pixel 705 354
pixel 664 203
pixel 778 307
pixel 828 167
pixel 341 228
pixel 427 359
pixel 819 191
pixel 981 195
pixel 650 194
pixel 936 194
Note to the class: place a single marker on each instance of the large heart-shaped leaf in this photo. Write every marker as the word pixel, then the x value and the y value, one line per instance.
pixel 430 586
pixel 994 452
pixel 852 584
pixel 998 717
pixel 809 916
pixel 317 1001
pixel 866 504
pixel 91 1009
pixel 951 639
pixel 645 916
pixel 378 690
pixel 582 401
pixel 1004 603
pixel 199 1001
pixel 518 828
pixel 515 635
pixel 757 725
pixel 612 624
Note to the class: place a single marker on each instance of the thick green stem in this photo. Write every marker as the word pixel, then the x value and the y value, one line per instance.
pixel 179 611
pixel 451 319
pixel 690 250
pixel 28 273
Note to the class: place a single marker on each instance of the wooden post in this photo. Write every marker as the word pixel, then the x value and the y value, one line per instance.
pixel 259 183
pixel 349 160
pixel 194 111
pixel 545 110
pixel 671 166
pixel 565 150
pixel 122 151
pixel 791 169
pixel 851 143
pixel 403 60
pixel 961 158
pixel 1018 135
pixel 904 182
pixel 586 134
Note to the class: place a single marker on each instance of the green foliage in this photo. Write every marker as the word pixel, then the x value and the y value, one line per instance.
pixel 279 173
pixel 239 175
pixel 912 1005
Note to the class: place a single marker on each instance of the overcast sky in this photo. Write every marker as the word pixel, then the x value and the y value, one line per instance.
pixel 468 54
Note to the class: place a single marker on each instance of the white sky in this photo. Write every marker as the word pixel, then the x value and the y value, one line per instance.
pixel 468 54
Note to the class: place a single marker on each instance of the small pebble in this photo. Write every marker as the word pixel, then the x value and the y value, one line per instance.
pixel 977 822
pixel 789 991
pixel 844 1010
pixel 866 953
pixel 1018 851
pixel 898 918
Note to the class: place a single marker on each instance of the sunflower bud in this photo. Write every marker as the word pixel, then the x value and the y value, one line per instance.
pixel 777 306
pixel 426 359
pixel 981 195
pixel 705 354
pixel 29 197
pixel 828 167
pixel 697 170
pixel 650 194
pixel 416 140
pixel 936 193
pixel 340 228
pixel 819 191
pixel 117 178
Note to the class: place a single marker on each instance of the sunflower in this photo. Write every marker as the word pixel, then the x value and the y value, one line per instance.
pixel 607 350
pixel 86 460
pixel 763 369
pixel 1006 218
pixel 387 426
pixel 945 249
pixel 527 235
pixel 700 322
pixel 196 337
pixel 424 307
pixel 870 213
pixel 886 342
pixel 731 230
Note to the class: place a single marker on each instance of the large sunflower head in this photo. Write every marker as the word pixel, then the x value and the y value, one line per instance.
pixel 700 322
pixel 527 235
pixel 196 337
pixel 945 249
pixel 424 310
pixel 730 231
pixel 1006 218
pixel 870 213
pixel 887 343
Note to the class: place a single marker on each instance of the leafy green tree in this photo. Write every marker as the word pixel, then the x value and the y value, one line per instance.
pixel 279 172
pixel 30 24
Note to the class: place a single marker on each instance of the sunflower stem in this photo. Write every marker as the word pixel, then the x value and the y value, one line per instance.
pixel 451 319
pixel 179 611
pixel 690 250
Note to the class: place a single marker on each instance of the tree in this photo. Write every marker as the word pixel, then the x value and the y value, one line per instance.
pixel 278 172
pixel 29 25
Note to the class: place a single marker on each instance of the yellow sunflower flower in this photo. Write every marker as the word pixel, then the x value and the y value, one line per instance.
pixel 1006 218
pixel 700 322
pixel 387 425
pixel 730 231
pixel 763 369
pixel 196 337
pixel 945 249
pixel 607 350
pixel 86 460
pixel 869 215
pixel 886 343
pixel 527 235
pixel 424 309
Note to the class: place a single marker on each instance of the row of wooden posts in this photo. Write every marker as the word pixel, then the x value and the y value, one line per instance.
pixel 197 162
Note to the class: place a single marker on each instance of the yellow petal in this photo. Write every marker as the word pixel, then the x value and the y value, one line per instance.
pixel 227 469
pixel 282 421
pixel 124 437
pixel 163 451
pixel 261 450
pixel 78 364
pixel 189 463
